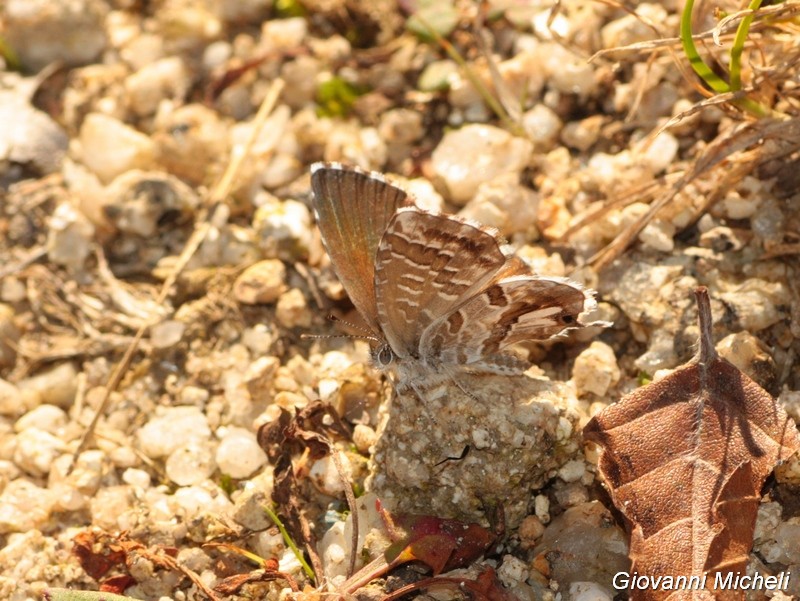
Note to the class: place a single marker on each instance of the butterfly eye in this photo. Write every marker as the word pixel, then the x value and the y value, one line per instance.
pixel 384 356
pixel 567 318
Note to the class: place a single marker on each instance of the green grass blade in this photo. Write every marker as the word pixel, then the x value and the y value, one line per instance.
pixel 714 81
pixel 738 46
pixel 290 543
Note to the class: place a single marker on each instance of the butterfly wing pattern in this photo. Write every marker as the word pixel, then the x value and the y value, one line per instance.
pixel 442 294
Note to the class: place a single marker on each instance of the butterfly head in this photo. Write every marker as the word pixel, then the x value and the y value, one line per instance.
pixel 383 356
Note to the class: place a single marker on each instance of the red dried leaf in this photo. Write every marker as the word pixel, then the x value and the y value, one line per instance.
pixel 685 459
pixel 438 543
pixel 96 556
pixel 117 584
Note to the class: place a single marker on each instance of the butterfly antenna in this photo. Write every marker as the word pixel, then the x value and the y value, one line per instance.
pixel 367 334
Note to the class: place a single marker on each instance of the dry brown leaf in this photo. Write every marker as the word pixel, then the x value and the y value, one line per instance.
pixel 685 459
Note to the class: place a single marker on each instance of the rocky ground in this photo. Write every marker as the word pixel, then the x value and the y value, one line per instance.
pixel 161 265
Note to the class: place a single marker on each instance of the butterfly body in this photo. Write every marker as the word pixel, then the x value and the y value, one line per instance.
pixel 439 294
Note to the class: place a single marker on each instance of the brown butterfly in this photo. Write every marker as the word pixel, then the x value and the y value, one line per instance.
pixel 440 295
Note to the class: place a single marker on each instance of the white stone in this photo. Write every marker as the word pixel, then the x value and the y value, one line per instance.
pixel 661 152
pixel 569 72
pixel 481 438
pixel 24 506
pixel 572 471
pixel 326 478
pixel 467 157
pixel 588 591
pixel 47 418
pixel 69 236
pixel 36 450
pixel 595 369
pixel 292 310
pixel 172 428
pixel 54 386
pixel 167 333
pixel 512 571
pixel 135 477
pixel 238 454
pixel 263 282
pixel 283 229
pixel 364 437
pixel 542 126
pixel 196 500
pixel 658 235
pixel 42 32
pixel 10 402
pixel 190 463
pixel 167 78
pixel 282 34
pixel 110 148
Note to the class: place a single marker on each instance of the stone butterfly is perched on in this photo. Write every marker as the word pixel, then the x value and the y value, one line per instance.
pixel 440 295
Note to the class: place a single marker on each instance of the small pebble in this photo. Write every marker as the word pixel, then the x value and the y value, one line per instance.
pixel 238 454
pixel 530 530
pixel 69 237
pixel 505 204
pixel 24 507
pixel 542 126
pixel 325 477
pixel 595 369
pixel 53 386
pixel 166 334
pixel 196 500
pixel 43 32
pixel 512 572
pixel 135 477
pixel 757 304
pixel 260 376
pixel 189 142
pixel 572 471
pixel 165 79
pixel 112 507
pixel 541 506
pixel 36 450
pixel 467 157
pixel 588 591
pixel 283 229
pixel 144 202
pixel 47 418
pixel 582 135
pixel 364 437
pixel 10 403
pixel 171 428
pixel 292 310
pixel 658 235
pixel 110 148
pixel 749 354
pixel 263 282
pixel 190 463
pixel 661 152
pixel 30 136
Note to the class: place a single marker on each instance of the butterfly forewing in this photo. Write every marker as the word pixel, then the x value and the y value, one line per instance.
pixel 426 266
pixel 353 209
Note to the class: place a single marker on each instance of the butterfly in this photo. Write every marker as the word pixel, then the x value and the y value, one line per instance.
pixel 439 295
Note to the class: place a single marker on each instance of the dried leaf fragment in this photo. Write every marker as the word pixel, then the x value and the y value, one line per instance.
pixel 685 459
